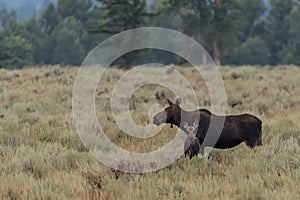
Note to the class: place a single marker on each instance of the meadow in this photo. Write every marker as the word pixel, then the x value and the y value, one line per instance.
pixel 42 157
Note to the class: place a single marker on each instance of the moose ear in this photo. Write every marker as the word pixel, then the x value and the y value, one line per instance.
pixel 195 125
pixel 170 102
pixel 178 101
pixel 185 125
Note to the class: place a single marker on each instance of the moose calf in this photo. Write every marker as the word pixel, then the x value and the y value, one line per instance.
pixel 191 144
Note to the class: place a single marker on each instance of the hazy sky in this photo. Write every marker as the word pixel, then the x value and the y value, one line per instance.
pixel 15 4
pixel 37 6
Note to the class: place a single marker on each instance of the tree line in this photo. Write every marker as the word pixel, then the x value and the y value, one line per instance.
pixel 234 32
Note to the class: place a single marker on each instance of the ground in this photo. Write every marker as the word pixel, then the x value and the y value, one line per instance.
pixel 42 157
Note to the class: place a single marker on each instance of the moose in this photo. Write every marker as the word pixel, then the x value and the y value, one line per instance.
pixel 236 128
pixel 192 143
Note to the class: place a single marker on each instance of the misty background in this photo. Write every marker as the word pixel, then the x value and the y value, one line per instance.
pixel 234 32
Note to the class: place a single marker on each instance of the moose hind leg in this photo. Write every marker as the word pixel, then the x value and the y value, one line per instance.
pixel 251 143
pixel 254 141
pixel 259 141
pixel 201 151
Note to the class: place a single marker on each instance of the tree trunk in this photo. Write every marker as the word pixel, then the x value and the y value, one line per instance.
pixel 217 53
pixel 203 43
pixel 216 41
pixel 128 61
pixel 189 50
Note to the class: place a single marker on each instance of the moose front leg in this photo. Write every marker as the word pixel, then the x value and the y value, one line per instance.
pixel 201 151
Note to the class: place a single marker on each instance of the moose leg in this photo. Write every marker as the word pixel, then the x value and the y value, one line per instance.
pixel 195 146
pixel 253 142
pixel 259 141
pixel 187 146
pixel 201 150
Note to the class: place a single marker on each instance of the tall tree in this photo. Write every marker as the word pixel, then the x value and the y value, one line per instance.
pixel 290 53
pixel 213 22
pixel 278 27
pixel 250 15
pixel 79 9
pixel 115 16
pixel 36 38
pixel 118 15
pixel 167 18
pixel 6 16
pixel 17 49
pixel 254 51
pixel 250 48
pixel 223 27
pixel 196 17
pixel 16 52
pixel 68 49
pixel 50 19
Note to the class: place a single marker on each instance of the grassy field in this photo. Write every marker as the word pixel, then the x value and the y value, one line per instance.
pixel 41 156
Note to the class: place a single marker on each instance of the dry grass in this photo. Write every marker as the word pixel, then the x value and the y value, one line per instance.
pixel 41 156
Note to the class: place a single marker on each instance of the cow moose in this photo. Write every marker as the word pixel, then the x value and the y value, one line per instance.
pixel 237 128
pixel 192 143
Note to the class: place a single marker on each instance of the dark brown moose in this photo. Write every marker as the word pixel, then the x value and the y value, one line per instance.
pixel 237 128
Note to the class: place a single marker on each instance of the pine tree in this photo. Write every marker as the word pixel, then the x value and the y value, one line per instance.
pixel 50 19
pixel 116 16
pixel 278 28
pixel 68 49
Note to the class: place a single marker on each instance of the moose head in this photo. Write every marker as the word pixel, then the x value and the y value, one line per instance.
pixel 171 114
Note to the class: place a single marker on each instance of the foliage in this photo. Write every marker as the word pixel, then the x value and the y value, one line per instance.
pixel 5 17
pixel 251 52
pixel 250 14
pixel 50 19
pixel 291 49
pixel 115 16
pixel 17 52
pixel 58 37
pixel 277 28
pixel 79 9
pixel 119 15
pixel 229 30
pixel 68 47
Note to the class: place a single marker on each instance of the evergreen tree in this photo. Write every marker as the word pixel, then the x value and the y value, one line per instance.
pixel 196 18
pixel 36 38
pixel 119 15
pixel 250 47
pixel 82 11
pixel 253 51
pixel 66 39
pixel 233 31
pixel 50 19
pixel 6 16
pixel 249 17
pixel 115 16
pixel 68 49
pixel 15 52
pixel 278 27
pixel 16 47
pixel 167 16
pixel 223 28
pixel 290 52
pixel 79 9
pixel 213 22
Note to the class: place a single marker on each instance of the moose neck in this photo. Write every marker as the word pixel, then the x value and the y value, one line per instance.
pixel 177 118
